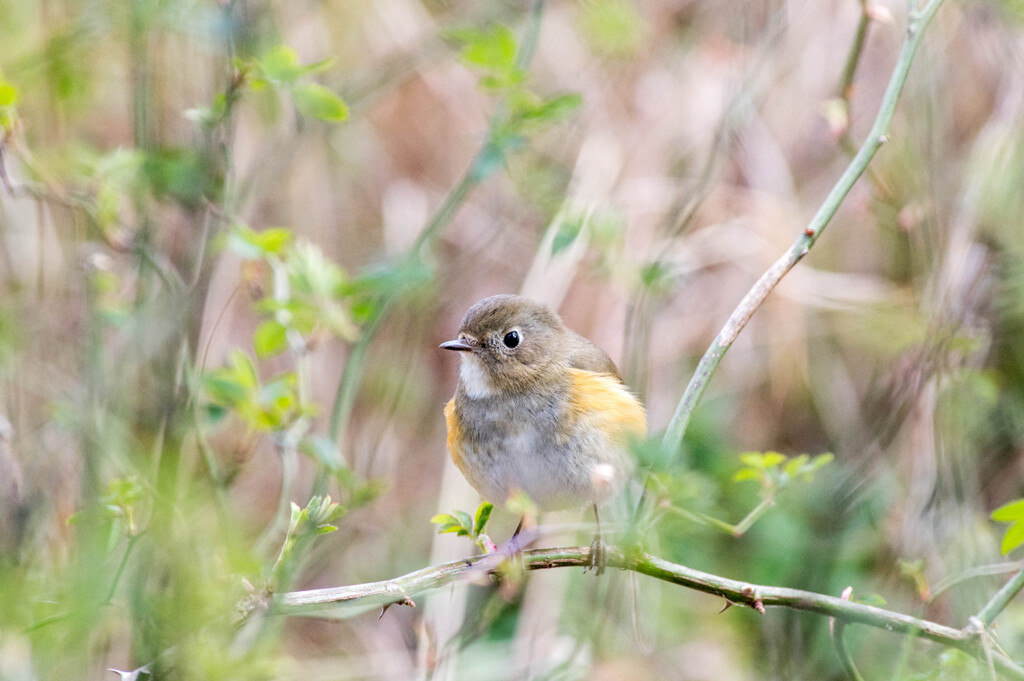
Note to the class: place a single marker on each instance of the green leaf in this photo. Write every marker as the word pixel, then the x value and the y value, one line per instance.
pixel 822 460
pixel 568 230
pixel 243 370
pixel 748 474
pixel 223 388
pixel 464 519
pixel 555 109
pixel 213 413
pixel 270 338
pixel 795 465
pixel 494 50
pixel 444 519
pixel 316 101
pixel 613 28
pixel 482 515
pixel 1013 538
pixel 253 245
pixel 753 459
pixel 1010 512
pixel 272 240
pixel 281 64
pixel 8 94
pixel 772 459
pixel 871 599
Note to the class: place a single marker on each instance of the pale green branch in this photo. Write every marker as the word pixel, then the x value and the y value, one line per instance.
pixel 918 21
pixel 342 600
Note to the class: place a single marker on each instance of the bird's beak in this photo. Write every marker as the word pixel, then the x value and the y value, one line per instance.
pixel 458 344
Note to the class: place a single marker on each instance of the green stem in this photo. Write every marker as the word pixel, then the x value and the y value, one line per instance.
pixel 839 642
pixel 973 573
pixel 1002 598
pixel 856 50
pixel 755 297
pixel 752 517
pixel 341 601
pixel 344 398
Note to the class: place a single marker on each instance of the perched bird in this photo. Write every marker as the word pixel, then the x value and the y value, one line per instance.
pixel 539 409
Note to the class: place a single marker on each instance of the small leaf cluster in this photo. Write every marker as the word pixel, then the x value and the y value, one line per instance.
pixel 120 505
pixel 312 296
pixel 496 54
pixel 279 68
pixel 1012 513
pixel 270 406
pixel 462 525
pixel 304 526
pixel 774 470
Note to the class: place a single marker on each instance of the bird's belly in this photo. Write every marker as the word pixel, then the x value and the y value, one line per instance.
pixel 556 471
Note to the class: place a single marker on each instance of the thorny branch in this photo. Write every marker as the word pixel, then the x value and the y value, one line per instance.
pixel 338 600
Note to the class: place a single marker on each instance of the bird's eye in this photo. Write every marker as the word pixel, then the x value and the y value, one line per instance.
pixel 511 339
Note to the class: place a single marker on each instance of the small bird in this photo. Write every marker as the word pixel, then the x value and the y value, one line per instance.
pixel 539 409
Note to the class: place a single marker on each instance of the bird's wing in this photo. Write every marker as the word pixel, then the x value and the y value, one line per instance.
pixel 607 404
pixel 588 357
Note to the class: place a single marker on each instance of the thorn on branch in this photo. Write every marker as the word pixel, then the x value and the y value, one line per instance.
pixel 404 601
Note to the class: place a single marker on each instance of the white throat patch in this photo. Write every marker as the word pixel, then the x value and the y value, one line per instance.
pixel 473 375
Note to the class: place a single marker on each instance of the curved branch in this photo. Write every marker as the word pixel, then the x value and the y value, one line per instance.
pixel 769 280
pixel 400 590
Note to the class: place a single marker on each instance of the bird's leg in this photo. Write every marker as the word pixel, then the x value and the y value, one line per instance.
pixel 513 550
pixel 598 549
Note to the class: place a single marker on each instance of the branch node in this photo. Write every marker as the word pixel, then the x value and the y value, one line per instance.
pixel 755 601
pixel 845 595
pixel 975 627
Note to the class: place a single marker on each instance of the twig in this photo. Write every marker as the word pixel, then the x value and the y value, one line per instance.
pixel 324 602
pixel 973 573
pixel 856 50
pixel 1002 598
pixel 839 642
pixel 770 279
pixel 837 630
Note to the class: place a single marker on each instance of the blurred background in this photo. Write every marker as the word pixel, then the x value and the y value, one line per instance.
pixel 232 235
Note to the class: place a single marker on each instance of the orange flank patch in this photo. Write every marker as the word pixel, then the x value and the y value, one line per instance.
pixel 604 401
pixel 451 421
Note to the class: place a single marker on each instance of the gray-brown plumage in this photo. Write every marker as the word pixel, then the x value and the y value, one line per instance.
pixel 538 408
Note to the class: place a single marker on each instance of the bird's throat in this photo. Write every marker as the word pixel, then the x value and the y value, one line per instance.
pixel 474 378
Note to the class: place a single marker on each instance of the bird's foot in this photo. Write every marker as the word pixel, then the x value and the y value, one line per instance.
pixel 598 555
pixel 512 550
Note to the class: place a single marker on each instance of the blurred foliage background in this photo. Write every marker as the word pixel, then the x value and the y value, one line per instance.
pixel 233 233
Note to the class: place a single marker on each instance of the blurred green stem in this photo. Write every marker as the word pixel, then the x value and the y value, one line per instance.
pixel 737 530
pixel 918 22
pixel 973 573
pixel 479 168
pixel 1002 598
pixel 839 641
pixel 853 59
pixel 338 601
pixel 285 443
